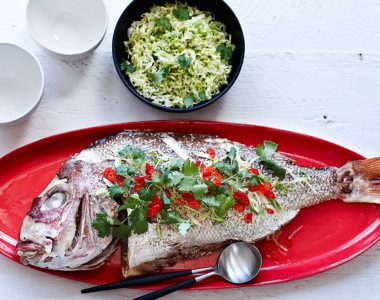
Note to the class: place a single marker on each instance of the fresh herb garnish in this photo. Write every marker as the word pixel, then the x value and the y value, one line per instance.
pixel 184 62
pixel 225 52
pixel 188 101
pixel 125 66
pixel 264 152
pixel 164 23
pixel 162 191
pixel 181 13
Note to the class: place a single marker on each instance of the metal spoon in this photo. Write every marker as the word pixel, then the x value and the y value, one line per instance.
pixel 238 263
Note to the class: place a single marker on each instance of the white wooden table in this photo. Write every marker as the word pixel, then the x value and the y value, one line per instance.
pixel 311 66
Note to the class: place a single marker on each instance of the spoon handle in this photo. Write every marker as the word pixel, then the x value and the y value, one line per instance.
pixel 170 289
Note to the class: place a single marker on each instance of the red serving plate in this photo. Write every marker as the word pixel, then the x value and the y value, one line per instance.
pixel 319 238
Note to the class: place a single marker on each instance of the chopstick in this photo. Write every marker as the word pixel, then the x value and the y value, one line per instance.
pixel 143 280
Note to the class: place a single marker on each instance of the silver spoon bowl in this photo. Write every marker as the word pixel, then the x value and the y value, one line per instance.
pixel 238 263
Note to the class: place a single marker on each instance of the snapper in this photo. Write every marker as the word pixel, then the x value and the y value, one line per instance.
pixel 175 196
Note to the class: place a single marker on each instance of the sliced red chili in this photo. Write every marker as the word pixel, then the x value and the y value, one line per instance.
pixel 153 211
pixel 194 204
pixel 267 186
pixel 239 207
pixel 253 188
pixel 137 188
pixel 149 169
pixel 167 193
pixel 179 202
pixel 198 162
pixel 217 182
pixel 187 196
pixel 269 195
pixel 110 174
pixel 248 218
pixel 140 179
pixel 211 152
pixel 120 180
pixel 241 197
pixel 156 201
pixel 270 211
pixel 253 171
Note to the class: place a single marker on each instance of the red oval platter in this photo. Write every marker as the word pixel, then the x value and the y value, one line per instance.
pixel 318 239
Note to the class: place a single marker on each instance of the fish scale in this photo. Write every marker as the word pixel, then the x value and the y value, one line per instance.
pixel 152 250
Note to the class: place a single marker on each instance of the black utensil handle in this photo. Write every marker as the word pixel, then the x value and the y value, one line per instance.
pixel 136 281
pixel 167 290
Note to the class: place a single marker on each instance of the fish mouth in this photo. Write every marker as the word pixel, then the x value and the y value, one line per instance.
pixel 29 250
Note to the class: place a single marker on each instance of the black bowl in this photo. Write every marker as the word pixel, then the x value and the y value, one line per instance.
pixel 222 12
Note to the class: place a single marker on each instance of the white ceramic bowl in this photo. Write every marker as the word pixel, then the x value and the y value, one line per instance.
pixel 71 29
pixel 21 83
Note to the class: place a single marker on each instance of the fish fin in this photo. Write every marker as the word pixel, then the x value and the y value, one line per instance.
pixel 359 181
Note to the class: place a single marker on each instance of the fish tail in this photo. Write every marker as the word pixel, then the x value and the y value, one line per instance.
pixel 359 181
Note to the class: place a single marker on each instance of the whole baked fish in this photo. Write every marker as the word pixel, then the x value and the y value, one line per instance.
pixel 207 191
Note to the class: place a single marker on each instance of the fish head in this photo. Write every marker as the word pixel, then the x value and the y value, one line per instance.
pixel 57 232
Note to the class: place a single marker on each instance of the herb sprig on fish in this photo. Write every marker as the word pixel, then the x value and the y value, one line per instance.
pixel 171 192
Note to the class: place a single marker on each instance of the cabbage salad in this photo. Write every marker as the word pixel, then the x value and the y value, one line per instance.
pixel 178 56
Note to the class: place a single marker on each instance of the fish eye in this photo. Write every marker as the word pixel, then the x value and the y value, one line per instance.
pixel 56 199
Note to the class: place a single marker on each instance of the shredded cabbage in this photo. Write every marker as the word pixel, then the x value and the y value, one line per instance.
pixel 178 61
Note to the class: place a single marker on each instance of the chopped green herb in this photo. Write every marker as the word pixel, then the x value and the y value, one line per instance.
pixel 184 62
pixel 125 66
pixel 225 52
pixel 102 224
pixel 181 13
pixel 164 23
pixel 116 191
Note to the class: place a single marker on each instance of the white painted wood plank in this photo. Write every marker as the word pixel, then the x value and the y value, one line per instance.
pixel 303 72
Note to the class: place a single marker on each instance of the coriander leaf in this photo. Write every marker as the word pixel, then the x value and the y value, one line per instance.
pixel 171 217
pixel 278 171
pixel 260 151
pixel 130 202
pixel 223 168
pixel 225 52
pixel 174 163
pixel 211 201
pixel 165 199
pixel 132 152
pixel 234 167
pixel 122 232
pixel 188 101
pixel 199 190
pixel 184 62
pixel 202 95
pixel 232 154
pixel 226 203
pixel 166 71
pixel 184 227
pixel 173 178
pixel 116 190
pixel 157 179
pixel 164 23
pixel 146 194
pixel 127 67
pixel 139 220
pixel 190 168
pixel 181 13
pixel 121 170
pixel 102 224
pixel 269 148
pixel 156 77
pixel 186 184
pixel 158 32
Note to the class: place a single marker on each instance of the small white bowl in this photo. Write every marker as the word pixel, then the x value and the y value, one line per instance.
pixel 71 29
pixel 21 83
